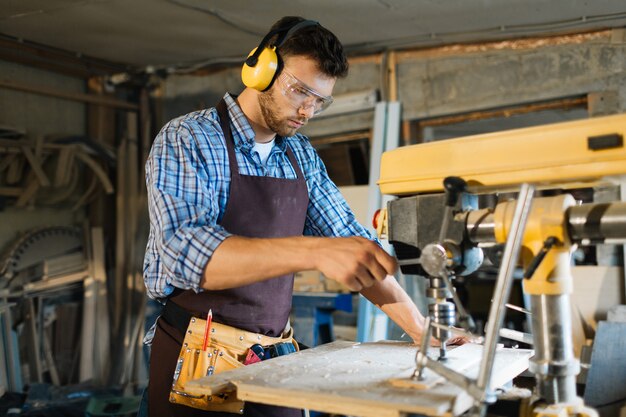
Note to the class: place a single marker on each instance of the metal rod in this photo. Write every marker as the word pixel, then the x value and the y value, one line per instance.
pixel 457 331
pixel 518 308
pixel 420 356
pixel 593 223
pixel 554 364
pixel 411 261
pixel 586 224
pixel 457 301
pixel 503 283
pixel 516 335
pixel 456 378
pixel 36 371
pixel 447 216
pixel 480 226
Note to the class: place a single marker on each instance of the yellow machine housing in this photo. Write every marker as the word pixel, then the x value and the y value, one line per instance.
pixel 562 155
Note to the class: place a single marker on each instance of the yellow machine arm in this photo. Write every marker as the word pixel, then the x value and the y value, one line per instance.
pixel 563 155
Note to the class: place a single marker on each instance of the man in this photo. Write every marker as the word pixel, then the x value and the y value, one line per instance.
pixel 239 202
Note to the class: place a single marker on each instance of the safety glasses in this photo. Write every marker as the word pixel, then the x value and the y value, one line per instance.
pixel 300 95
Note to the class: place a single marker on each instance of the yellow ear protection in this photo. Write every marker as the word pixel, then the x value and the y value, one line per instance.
pixel 264 63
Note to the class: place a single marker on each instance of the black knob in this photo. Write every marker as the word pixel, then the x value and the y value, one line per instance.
pixel 454 186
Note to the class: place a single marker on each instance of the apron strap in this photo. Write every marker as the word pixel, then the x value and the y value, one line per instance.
pixel 222 112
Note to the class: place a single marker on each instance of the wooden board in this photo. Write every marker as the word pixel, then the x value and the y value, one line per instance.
pixel 458 359
pixel 355 379
pixel 596 290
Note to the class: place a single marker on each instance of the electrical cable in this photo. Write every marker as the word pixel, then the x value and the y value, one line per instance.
pixel 51 9
pixel 215 13
pixel 521 29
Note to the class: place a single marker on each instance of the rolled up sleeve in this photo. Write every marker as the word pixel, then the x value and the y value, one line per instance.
pixel 183 212
pixel 328 213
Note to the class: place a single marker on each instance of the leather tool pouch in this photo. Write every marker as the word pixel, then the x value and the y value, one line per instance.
pixel 227 350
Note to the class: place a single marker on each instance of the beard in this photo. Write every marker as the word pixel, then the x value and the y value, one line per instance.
pixel 268 105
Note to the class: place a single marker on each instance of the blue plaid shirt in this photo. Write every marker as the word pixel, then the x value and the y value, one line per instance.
pixel 188 180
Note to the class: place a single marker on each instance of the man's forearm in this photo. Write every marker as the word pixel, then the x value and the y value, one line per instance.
pixel 389 296
pixel 241 261
pixel 354 262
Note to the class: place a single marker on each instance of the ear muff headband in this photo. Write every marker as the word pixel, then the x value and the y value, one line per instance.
pixel 264 64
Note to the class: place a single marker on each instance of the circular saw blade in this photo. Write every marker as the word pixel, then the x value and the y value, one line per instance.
pixel 35 246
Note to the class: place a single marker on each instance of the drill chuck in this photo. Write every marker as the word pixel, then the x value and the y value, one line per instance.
pixel 442 313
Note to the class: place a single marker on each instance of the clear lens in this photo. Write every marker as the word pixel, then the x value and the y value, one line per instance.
pixel 301 96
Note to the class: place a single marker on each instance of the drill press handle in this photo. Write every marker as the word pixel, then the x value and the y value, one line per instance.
pixel 453 186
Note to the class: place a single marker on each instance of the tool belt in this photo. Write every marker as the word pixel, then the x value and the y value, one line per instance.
pixel 228 348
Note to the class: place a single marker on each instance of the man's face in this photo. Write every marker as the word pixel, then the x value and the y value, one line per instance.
pixel 280 111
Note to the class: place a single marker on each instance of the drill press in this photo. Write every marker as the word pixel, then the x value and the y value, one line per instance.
pixel 440 235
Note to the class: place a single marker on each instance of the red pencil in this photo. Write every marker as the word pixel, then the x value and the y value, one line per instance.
pixel 207 330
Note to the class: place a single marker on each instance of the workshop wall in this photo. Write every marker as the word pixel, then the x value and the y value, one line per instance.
pixel 451 80
pixel 461 79
pixel 185 93
pixel 38 115
pixel 455 79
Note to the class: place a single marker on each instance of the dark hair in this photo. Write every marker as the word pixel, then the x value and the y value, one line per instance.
pixel 316 42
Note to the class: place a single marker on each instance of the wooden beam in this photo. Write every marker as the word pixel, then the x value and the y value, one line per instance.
pixel 392 79
pixel 11 191
pixel 54 59
pixel 85 98
pixel 345 137
pixel 29 193
pixel 504 112
pixel 502 45
pixel 36 166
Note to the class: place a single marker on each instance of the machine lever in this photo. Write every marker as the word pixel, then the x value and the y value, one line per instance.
pixel 454 186
pixel 518 308
pixel 516 335
pixel 534 264
pixel 465 320
pixel 459 332
pixel 411 261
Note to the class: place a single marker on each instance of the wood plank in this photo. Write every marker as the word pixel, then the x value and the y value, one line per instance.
pixel 81 97
pixel 101 358
pixel 61 61
pixel 64 166
pixel 596 290
pixel 36 166
pixel 11 191
pixel 6 161
pixel 354 379
pixel 29 192
pixel 98 171
pixel 88 333
pixel 458 359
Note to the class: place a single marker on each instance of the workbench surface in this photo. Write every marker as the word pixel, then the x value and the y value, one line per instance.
pixel 356 379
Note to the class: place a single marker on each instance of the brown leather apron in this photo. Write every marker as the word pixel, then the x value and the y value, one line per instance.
pixel 257 206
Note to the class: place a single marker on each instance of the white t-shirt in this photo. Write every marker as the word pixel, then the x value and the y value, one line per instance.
pixel 264 150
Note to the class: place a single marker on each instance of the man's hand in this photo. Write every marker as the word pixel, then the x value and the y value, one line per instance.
pixel 453 341
pixel 354 262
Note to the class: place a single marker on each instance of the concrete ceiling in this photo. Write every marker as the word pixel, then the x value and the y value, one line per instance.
pixel 195 33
